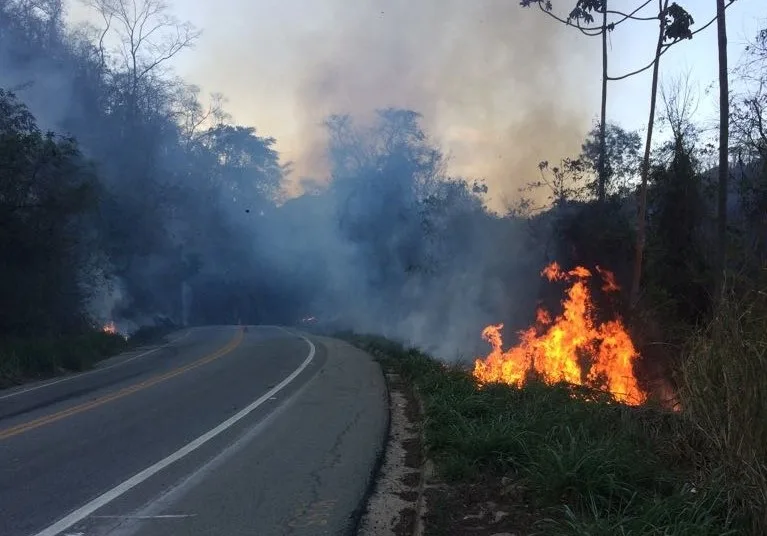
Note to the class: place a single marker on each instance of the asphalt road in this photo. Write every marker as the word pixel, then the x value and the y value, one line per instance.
pixel 221 431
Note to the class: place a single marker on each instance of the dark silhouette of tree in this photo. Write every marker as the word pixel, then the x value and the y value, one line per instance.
pixel 677 260
pixel 724 144
pixel 45 189
pixel 748 126
pixel 673 27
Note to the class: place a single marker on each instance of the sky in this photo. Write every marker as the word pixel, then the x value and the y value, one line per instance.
pixel 500 87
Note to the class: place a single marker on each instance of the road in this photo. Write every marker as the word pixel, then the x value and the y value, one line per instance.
pixel 220 431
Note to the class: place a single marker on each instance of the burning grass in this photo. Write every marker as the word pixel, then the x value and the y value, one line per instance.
pixel 573 347
pixel 563 459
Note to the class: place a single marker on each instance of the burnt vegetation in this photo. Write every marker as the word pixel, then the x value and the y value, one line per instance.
pixel 124 197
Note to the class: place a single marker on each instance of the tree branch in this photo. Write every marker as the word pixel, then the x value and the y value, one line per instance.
pixel 641 69
pixel 665 48
pixel 565 21
pixel 593 31
pixel 631 15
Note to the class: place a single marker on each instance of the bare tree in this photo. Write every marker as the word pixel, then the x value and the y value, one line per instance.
pixel 148 37
pixel 680 101
pixel 192 116
pixel 749 110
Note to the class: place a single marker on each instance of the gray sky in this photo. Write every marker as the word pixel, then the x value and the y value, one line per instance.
pixel 501 87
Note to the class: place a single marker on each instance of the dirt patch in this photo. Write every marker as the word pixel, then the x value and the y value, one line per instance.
pixel 405 526
pixel 411 480
pixel 488 506
pixel 393 506
pixel 413 455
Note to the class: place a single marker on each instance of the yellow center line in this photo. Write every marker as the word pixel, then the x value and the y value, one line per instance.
pixel 53 417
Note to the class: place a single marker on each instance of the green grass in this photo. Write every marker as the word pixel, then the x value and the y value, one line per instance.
pixel 29 359
pixel 586 464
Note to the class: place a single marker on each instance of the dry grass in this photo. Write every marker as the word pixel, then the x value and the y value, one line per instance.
pixel 723 389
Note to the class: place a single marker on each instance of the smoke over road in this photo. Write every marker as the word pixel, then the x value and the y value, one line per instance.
pixel 386 106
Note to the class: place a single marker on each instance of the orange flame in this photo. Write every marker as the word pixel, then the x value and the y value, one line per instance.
pixel 572 347
pixel 110 327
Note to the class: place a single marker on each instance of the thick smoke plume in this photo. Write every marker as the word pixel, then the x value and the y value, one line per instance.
pixel 500 87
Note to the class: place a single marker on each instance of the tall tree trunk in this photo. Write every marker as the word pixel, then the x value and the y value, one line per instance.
pixel 724 134
pixel 642 212
pixel 603 116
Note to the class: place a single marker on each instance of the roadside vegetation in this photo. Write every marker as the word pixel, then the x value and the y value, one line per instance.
pixel 566 460
pixel 25 359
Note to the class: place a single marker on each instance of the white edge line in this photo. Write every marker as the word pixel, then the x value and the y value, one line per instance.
pixel 73 376
pixel 165 516
pixel 107 497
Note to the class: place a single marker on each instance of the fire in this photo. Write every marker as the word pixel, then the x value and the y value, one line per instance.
pixel 110 327
pixel 573 347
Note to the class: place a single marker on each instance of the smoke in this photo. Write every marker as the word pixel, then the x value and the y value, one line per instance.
pixel 106 293
pixel 394 246
pixel 500 87
pixel 35 84
pixel 388 240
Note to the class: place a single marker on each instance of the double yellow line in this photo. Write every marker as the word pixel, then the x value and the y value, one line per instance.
pixel 63 414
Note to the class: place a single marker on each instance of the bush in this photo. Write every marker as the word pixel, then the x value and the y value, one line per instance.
pixel 149 334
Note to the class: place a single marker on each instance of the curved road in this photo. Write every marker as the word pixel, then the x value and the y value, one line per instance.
pixel 223 430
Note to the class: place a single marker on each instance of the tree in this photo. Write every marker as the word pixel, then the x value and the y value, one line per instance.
pixel 148 37
pixel 748 129
pixel 724 123
pixel 45 190
pixel 248 170
pixel 620 156
pixel 680 102
pixel 674 25
pixel 583 12
pixel 677 265
pixel 749 112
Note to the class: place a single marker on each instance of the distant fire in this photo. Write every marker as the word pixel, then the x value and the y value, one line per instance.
pixel 573 347
pixel 110 327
